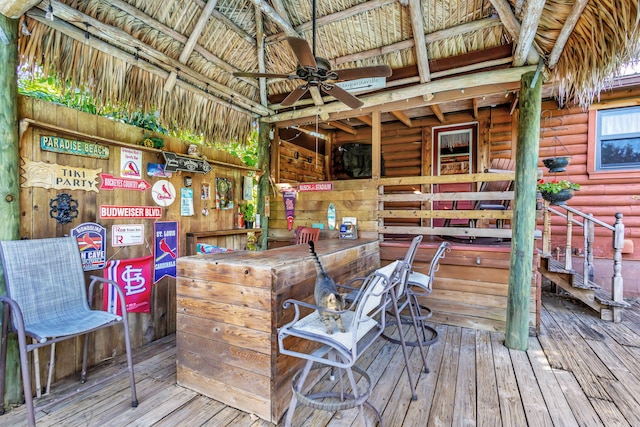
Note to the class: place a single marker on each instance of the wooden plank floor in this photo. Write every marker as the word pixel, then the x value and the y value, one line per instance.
pixel 580 371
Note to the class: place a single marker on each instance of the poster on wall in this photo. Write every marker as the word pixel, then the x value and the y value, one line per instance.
pixel 134 278
pixel 224 193
pixel 130 163
pixel 157 170
pixel 166 249
pixel 127 234
pixel 186 202
pixel 247 188
pixel 163 193
pixel 91 238
pixel 289 206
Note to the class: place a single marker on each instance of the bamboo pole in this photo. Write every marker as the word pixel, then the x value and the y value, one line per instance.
pixel 264 162
pixel 524 213
pixel 9 179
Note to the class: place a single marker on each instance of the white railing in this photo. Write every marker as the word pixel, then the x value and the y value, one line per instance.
pixel 588 223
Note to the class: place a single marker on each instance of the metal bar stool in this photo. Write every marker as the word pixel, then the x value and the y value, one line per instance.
pixel 364 321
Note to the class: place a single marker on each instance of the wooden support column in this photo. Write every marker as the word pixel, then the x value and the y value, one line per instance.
pixel 9 178
pixel 376 144
pixel 264 187
pixel 524 214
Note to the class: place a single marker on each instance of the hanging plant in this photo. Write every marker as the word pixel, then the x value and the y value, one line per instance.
pixel 557 164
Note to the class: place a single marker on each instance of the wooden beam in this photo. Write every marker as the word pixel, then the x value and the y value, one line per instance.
pixel 475 108
pixel 429 38
pixel 438 112
pixel 10 185
pixel 567 29
pixel 160 27
pixel 467 81
pixel 376 145
pixel 120 38
pixel 365 119
pixel 524 215
pixel 530 22
pixel 417 24
pixel 79 35
pixel 260 50
pixel 14 9
pixel 512 26
pixel 229 24
pixel 343 127
pixel 332 18
pixel 514 103
pixel 203 20
pixel 279 20
pixel 400 115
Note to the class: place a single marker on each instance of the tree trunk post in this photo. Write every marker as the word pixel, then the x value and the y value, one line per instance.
pixel 524 213
pixel 264 162
pixel 9 178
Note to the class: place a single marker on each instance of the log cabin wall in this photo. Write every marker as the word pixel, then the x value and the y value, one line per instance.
pixel 36 222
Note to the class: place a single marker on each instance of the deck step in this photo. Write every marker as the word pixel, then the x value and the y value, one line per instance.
pixel 589 293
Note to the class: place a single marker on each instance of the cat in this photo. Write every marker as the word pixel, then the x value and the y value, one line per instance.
pixel 327 295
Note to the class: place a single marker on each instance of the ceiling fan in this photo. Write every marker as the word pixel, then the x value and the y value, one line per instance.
pixel 316 72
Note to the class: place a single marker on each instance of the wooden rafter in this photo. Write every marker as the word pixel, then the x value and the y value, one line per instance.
pixel 333 17
pixel 420 43
pixel 528 28
pixel 567 29
pixel 344 127
pixel 437 112
pixel 104 47
pixel 278 19
pixel 203 20
pixel 475 108
pixel 160 27
pixel 402 94
pixel 402 116
pixel 365 119
pixel 260 49
pixel 512 26
pixel 14 9
pixel 120 39
pixel 229 23
pixel 429 38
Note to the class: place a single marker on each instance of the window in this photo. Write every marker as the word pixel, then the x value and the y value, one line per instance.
pixel 617 140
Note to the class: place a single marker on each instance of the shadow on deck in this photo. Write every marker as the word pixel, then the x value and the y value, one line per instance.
pixel 580 370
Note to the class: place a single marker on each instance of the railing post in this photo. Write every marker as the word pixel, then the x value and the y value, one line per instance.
pixel 587 263
pixel 617 286
pixel 568 262
pixel 546 230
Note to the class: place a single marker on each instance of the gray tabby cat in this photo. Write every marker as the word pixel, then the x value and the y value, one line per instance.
pixel 327 296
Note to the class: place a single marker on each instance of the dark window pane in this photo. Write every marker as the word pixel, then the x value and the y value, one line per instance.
pixel 620 153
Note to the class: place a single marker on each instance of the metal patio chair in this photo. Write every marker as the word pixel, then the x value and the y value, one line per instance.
pixel 364 321
pixel 47 301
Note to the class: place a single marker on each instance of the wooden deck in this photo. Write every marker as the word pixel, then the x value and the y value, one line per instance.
pixel 579 371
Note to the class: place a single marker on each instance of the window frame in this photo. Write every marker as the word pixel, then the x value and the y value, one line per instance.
pixel 593 151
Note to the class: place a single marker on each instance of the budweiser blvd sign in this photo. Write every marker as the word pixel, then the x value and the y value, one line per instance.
pixel 115 212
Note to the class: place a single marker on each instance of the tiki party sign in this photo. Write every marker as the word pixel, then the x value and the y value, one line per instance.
pixel 58 177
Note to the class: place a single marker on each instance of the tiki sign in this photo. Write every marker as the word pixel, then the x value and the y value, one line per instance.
pixel 70 146
pixel 58 177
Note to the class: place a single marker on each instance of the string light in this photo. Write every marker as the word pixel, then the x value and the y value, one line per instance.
pixel 49 14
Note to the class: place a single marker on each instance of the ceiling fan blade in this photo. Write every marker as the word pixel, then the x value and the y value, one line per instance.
pixel 363 72
pixel 342 95
pixel 303 52
pixel 295 95
pixel 267 75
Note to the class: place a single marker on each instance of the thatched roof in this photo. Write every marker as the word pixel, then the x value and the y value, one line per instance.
pixel 130 51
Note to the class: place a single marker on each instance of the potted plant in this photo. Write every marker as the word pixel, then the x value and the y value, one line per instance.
pixel 557 192
pixel 249 214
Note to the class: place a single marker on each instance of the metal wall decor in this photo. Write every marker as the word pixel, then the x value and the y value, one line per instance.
pixel 175 162
pixel 63 208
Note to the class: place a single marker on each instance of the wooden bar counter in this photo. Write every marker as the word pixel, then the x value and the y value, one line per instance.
pixel 229 308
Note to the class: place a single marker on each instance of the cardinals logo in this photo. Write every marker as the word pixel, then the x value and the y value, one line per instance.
pixel 130 169
pixel 163 193
pixel 166 249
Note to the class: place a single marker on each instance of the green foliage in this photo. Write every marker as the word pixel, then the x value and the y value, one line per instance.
pixel 248 211
pixel 36 84
pixel 556 186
